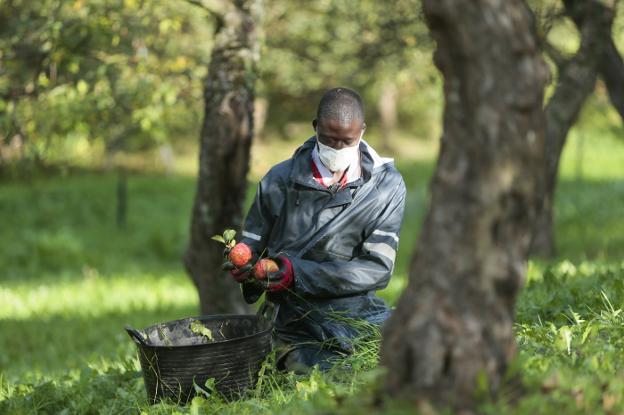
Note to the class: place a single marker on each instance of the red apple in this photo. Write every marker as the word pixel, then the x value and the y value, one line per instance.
pixel 240 255
pixel 263 267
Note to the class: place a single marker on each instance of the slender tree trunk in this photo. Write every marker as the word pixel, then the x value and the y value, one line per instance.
pixel 261 109
pixel 387 108
pixel 576 80
pixel 610 63
pixel 122 199
pixel 453 323
pixel 224 155
pixel 167 157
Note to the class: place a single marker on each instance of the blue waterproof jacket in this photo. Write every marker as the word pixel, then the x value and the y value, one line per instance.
pixel 342 244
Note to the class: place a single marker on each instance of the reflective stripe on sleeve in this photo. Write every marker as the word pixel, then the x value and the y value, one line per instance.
pixel 381 249
pixel 384 233
pixel 251 236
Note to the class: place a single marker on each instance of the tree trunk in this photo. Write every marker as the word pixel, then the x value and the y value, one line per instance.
pixel 224 155
pixel 122 199
pixel 387 108
pixel 261 109
pixel 453 324
pixel 576 81
pixel 610 63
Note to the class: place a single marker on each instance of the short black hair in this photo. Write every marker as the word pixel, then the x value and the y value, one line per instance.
pixel 341 104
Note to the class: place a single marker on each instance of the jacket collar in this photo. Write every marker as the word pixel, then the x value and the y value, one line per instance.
pixel 301 170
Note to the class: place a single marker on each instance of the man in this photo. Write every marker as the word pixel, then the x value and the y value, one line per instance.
pixel 330 217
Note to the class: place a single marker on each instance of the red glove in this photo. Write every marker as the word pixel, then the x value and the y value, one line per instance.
pixel 241 274
pixel 281 279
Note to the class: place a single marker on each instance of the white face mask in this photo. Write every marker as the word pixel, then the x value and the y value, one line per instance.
pixel 339 160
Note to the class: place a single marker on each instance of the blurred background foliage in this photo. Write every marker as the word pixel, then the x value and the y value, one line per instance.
pixel 84 81
pixel 93 82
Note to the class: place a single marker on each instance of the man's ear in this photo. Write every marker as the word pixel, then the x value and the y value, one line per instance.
pixel 314 123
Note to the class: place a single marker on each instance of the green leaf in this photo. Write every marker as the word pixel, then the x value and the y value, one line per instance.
pixel 566 336
pixel 198 328
pixel 229 234
pixel 588 330
pixel 163 336
pixel 218 238
pixel 211 384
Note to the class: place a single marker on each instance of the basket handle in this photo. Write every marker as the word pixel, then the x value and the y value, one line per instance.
pixel 268 307
pixel 136 336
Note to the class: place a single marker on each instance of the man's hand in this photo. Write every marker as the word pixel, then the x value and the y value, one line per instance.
pixel 239 274
pixel 278 280
pixel 239 260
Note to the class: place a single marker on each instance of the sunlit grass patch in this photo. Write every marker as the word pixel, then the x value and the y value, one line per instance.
pixel 95 295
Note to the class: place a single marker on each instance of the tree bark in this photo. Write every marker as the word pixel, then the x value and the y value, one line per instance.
pixel 453 323
pixel 576 80
pixel 261 110
pixel 610 63
pixel 122 199
pixel 224 155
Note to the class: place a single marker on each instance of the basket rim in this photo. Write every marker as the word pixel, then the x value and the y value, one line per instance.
pixel 208 318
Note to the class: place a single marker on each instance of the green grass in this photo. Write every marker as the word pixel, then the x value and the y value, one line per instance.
pixel 71 280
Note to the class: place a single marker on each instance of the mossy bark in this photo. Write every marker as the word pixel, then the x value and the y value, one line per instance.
pixel 225 143
pixel 452 328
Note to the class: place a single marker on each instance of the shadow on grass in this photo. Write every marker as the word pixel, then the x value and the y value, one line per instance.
pixel 62 225
pixel 589 219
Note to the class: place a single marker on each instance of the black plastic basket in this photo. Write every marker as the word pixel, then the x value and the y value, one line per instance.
pixel 176 361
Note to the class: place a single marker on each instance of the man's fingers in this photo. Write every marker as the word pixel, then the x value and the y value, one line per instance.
pixel 245 268
pixel 273 279
pixel 242 277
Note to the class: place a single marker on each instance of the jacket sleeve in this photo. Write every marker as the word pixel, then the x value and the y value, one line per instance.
pixel 259 223
pixel 371 270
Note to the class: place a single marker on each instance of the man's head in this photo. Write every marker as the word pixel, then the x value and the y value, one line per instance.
pixel 339 121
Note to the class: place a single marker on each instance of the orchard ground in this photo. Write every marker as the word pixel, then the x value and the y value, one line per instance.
pixel 71 280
